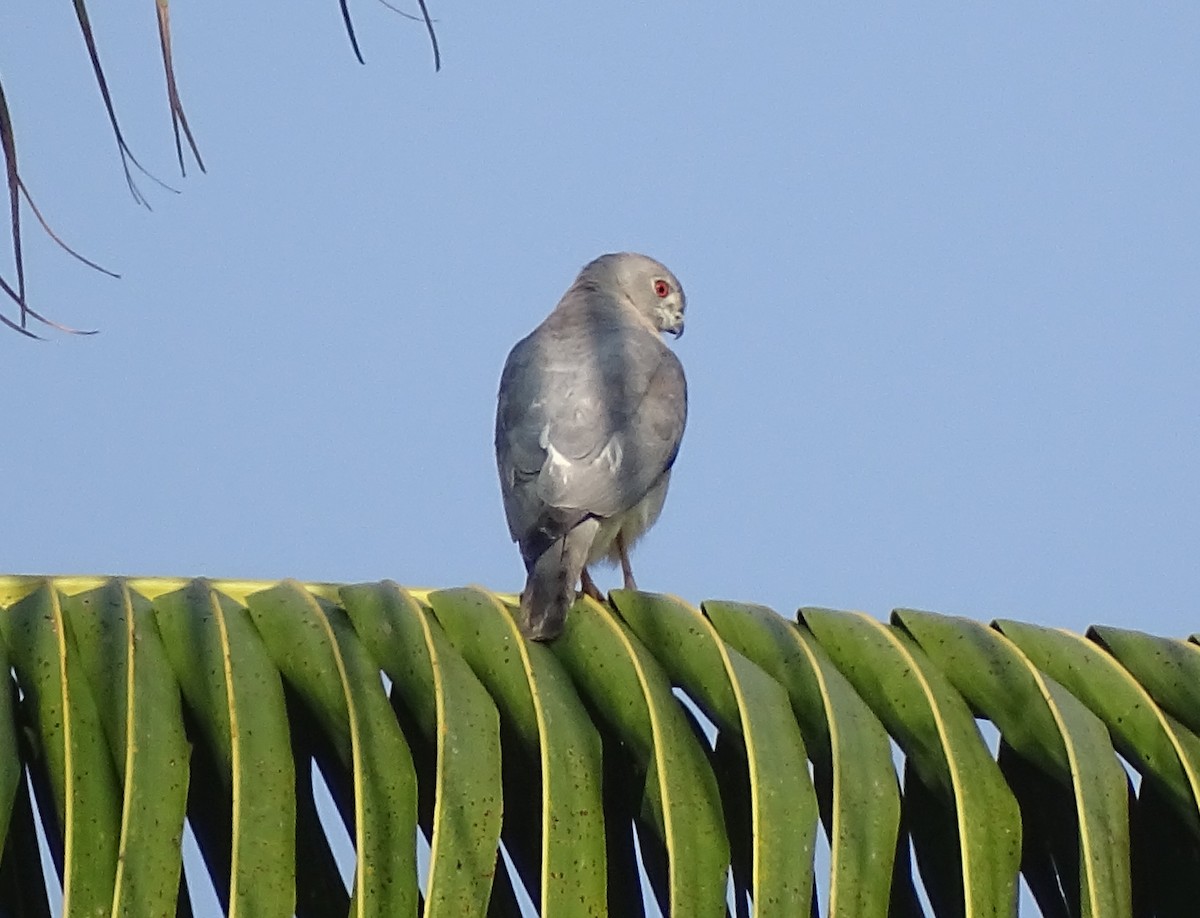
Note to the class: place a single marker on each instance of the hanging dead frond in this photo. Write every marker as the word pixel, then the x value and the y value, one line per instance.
pixel 126 153
pixel 16 290
pixel 423 18
pixel 16 188
pixel 179 120
pixel 12 180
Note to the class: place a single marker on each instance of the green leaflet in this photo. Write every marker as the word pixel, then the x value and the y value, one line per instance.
pixel 10 762
pixel 748 704
pixel 320 889
pixel 849 748
pixel 139 707
pixel 459 721
pixel 84 785
pixel 22 889
pixel 1043 722
pixel 322 658
pixel 1151 740
pixel 621 680
pixel 233 690
pixel 1167 858
pixel 933 725
pixel 1167 669
pixel 553 804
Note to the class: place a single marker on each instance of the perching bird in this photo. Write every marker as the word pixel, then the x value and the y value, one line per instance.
pixel 591 411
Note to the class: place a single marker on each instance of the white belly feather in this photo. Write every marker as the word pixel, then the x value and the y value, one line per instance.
pixel 631 524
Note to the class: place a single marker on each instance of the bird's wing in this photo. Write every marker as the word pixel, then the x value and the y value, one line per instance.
pixel 585 427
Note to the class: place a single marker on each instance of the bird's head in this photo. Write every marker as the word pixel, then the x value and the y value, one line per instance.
pixel 643 283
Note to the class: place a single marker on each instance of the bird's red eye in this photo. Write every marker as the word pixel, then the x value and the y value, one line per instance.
pixel 661 288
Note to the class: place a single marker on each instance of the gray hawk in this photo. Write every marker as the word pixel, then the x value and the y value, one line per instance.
pixel 590 414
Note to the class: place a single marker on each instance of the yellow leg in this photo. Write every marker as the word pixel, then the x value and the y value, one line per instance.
pixel 625 568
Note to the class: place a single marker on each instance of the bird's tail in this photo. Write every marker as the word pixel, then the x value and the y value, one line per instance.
pixel 550 586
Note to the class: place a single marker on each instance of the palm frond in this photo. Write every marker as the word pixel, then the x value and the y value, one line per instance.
pixel 656 751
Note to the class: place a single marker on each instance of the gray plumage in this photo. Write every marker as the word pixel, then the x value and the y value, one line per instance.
pixel 590 415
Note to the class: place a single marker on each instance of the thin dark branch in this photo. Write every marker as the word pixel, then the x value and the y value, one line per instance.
pixel 4 285
pixel 437 54
pixel 350 30
pixel 26 311
pixel 178 118
pixel 424 17
pixel 8 144
pixel 400 12
pixel 16 188
pixel 127 156
pixel 53 235
pixel 4 320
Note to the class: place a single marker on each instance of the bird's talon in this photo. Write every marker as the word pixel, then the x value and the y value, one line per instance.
pixel 589 587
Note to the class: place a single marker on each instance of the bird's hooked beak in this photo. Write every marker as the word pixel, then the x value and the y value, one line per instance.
pixel 675 329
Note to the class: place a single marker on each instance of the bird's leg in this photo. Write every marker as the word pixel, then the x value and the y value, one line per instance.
pixel 589 586
pixel 625 568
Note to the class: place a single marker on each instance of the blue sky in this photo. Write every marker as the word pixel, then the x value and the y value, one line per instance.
pixel 941 262
pixel 941 266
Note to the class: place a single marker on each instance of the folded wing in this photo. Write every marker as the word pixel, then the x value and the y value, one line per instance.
pixel 585 431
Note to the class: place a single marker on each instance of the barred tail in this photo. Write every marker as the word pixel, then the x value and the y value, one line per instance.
pixel 550 586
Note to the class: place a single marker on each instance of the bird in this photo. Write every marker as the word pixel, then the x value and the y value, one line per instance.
pixel 590 414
